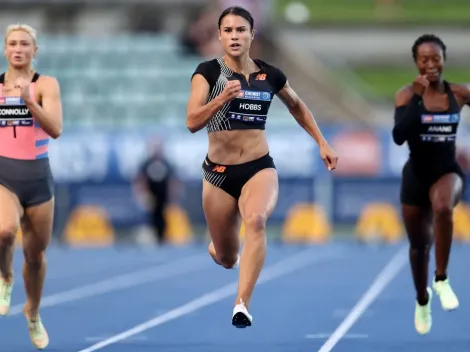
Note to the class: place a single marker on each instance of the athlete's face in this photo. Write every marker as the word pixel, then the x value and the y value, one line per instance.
pixel 430 61
pixel 19 49
pixel 236 35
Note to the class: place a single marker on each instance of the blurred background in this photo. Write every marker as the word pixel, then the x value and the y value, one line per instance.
pixel 126 167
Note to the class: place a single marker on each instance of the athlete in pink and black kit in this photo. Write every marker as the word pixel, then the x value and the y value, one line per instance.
pixel 30 113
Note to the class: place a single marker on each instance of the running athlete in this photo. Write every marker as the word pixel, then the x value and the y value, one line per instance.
pixel 30 113
pixel 231 95
pixel 427 114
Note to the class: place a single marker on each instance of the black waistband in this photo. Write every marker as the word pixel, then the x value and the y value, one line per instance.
pixel 266 156
pixel 24 170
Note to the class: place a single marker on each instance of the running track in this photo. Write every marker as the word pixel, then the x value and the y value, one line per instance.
pixel 342 297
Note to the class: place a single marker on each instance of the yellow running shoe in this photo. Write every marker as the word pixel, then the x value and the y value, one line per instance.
pixel 37 333
pixel 423 317
pixel 5 296
pixel 449 300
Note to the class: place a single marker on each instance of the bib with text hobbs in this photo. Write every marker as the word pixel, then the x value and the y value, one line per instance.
pixel 250 106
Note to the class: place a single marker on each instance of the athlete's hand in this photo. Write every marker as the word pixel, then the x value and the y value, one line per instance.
pixel 420 84
pixel 231 90
pixel 329 156
pixel 23 85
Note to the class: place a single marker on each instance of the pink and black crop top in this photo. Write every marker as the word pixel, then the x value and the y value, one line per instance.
pixel 21 137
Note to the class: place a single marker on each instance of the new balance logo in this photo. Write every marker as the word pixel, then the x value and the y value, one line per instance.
pixel 219 169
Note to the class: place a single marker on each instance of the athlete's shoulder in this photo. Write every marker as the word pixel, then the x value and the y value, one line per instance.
pixel 461 91
pixel 209 69
pixel 403 95
pixel 264 64
pixel 269 68
pixel 47 80
pixel 209 64
pixel 273 74
pixel 47 85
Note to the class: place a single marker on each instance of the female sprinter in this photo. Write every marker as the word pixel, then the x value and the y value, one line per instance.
pixel 231 95
pixel 31 112
pixel 427 115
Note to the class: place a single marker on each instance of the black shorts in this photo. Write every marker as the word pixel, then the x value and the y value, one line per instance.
pixel 232 178
pixel 30 180
pixel 415 188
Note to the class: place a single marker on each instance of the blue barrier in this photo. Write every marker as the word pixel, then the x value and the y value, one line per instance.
pixel 351 195
pixel 97 167
pixel 125 212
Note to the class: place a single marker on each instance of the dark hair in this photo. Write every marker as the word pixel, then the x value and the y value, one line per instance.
pixel 428 38
pixel 237 11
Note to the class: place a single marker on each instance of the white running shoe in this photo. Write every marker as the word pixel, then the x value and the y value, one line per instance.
pixel 5 296
pixel 241 318
pixel 423 317
pixel 449 300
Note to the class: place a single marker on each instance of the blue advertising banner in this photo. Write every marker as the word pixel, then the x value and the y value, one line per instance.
pixel 98 167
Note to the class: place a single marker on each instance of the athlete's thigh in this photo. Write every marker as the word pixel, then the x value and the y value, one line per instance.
pixel 446 191
pixel 10 212
pixel 222 217
pixel 37 226
pixel 418 223
pixel 259 195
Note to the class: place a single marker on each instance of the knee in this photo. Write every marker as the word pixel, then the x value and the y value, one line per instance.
pixel 442 210
pixel 34 258
pixel 227 261
pixel 419 248
pixel 420 240
pixel 8 234
pixel 256 223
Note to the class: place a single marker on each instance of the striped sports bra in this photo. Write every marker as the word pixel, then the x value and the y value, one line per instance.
pixel 21 137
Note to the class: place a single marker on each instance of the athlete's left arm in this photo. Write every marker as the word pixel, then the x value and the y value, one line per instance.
pixel 467 94
pixel 305 119
pixel 463 92
pixel 49 113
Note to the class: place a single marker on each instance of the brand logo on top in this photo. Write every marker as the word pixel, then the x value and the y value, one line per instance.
pixel 254 95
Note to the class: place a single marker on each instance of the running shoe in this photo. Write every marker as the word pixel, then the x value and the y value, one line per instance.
pixel 241 318
pixel 37 333
pixel 5 296
pixel 423 317
pixel 449 300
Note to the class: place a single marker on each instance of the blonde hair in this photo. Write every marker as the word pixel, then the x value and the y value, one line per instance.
pixel 22 27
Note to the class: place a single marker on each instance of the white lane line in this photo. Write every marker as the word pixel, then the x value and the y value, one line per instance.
pixel 270 273
pixel 382 280
pixel 121 282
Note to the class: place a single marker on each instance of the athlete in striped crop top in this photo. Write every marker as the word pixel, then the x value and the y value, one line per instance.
pixel 30 113
pixel 231 96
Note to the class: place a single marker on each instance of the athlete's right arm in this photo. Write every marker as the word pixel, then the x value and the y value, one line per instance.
pixel 198 112
pixel 406 112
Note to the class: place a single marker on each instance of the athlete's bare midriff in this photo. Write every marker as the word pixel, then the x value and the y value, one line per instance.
pixel 237 146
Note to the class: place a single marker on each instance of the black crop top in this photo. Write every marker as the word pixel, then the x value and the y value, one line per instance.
pixel 431 135
pixel 250 109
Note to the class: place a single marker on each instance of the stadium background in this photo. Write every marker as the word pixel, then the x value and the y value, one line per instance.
pixel 125 67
